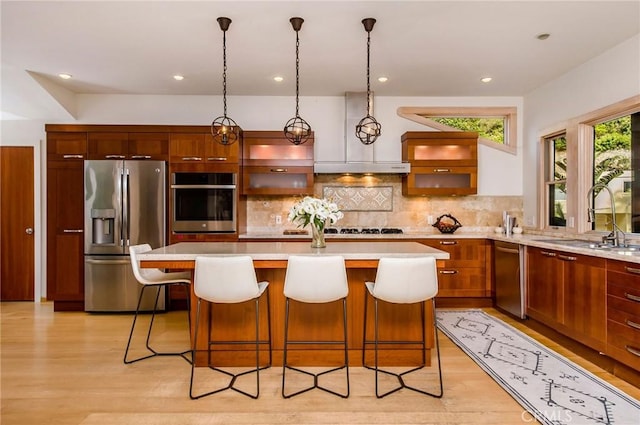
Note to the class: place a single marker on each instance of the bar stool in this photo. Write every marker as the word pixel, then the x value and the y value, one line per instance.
pixel 403 281
pixel 229 280
pixel 315 280
pixel 155 278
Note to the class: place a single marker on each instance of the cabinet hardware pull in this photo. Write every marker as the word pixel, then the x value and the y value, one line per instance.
pixel 278 170
pixel 633 325
pixel 567 258
pixel 632 297
pixel 73 156
pixel 441 170
pixel 448 242
pixel 633 270
pixel 72 231
pixel 216 158
pixel 548 254
pixel 632 350
pixel 114 156
pixel 141 157
pixel 191 158
pixel 447 271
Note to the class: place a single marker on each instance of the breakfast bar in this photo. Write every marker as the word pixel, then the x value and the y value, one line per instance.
pixel 270 261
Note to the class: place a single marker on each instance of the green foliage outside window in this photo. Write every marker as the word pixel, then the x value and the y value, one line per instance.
pixel 488 128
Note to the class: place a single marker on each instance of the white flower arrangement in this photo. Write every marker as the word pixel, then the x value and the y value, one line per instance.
pixel 316 211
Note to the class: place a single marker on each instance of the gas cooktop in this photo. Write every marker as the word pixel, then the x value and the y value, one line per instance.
pixel 363 231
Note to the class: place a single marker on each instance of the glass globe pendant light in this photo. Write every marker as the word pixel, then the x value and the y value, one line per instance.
pixel 368 129
pixel 297 130
pixel 224 129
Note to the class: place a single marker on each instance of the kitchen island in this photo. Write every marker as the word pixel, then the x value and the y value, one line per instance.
pixel 322 320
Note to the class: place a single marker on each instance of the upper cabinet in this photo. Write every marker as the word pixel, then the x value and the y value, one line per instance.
pixel 123 145
pixel 66 145
pixel 271 165
pixel 442 162
pixel 199 147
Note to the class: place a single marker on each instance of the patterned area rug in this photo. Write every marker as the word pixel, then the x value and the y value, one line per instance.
pixel 551 389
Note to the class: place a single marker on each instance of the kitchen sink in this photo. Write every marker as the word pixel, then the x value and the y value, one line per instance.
pixel 580 243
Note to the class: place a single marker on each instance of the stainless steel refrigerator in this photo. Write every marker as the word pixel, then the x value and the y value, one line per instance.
pixel 124 206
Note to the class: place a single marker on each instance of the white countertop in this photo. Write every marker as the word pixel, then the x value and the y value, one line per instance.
pixel 188 251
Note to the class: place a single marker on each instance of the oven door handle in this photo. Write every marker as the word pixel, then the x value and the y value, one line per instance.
pixel 203 186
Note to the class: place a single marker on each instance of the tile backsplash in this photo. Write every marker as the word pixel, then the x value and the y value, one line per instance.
pixel 377 201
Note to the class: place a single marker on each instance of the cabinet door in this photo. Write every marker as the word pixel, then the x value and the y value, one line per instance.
pixel 186 147
pixel 271 148
pixel 440 181
pixel 108 145
pixel 216 152
pixel 440 148
pixel 65 241
pixel 277 180
pixel 152 146
pixel 66 145
pixel 584 312
pixel 544 286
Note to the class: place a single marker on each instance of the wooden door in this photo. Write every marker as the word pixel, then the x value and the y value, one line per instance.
pixel 17 223
pixel 544 286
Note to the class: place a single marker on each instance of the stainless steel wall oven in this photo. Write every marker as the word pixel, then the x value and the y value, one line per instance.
pixel 204 202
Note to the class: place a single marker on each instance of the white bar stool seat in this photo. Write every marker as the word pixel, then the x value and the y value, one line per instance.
pixel 229 280
pixel 315 280
pixel 403 281
pixel 155 278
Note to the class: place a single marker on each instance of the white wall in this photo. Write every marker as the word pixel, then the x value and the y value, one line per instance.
pixel 604 80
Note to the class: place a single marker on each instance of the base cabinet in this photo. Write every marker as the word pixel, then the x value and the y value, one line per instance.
pixel 465 273
pixel 566 292
pixel 623 312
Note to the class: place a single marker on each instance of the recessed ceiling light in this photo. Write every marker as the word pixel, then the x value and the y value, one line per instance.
pixel 278 79
pixel 383 79
pixel 178 77
pixel 64 76
pixel 543 36
pixel 486 79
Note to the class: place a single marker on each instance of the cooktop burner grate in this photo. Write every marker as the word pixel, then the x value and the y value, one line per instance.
pixel 363 231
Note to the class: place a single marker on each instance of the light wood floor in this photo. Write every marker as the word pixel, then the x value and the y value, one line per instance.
pixel 66 368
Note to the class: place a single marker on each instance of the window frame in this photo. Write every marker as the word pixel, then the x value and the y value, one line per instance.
pixel 509 114
pixel 580 139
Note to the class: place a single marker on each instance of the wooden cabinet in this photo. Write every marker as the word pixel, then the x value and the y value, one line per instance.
pixel 65 219
pixel 566 292
pixel 465 273
pixel 124 145
pixel 200 148
pixel 623 312
pixel 442 163
pixel 274 166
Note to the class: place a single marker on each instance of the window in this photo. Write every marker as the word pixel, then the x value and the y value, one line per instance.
pixel 556 180
pixel 496 126
pixel 613 149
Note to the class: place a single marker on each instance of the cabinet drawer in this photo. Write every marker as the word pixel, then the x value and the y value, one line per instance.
pixel 623 344
pixel 618 303
pixel 462 282
pixel 462 252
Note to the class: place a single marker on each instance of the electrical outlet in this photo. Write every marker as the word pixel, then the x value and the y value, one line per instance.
pixel 278 219
pixel 430 219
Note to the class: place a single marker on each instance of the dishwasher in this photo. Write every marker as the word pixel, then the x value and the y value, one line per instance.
pixel 508 266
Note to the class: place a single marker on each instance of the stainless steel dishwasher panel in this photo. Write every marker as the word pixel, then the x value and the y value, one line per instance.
pixel 509 277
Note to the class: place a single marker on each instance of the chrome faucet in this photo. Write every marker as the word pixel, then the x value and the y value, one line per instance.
pixel 614 236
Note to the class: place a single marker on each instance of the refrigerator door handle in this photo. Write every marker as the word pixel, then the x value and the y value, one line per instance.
pixel 126 210
pixel 106 262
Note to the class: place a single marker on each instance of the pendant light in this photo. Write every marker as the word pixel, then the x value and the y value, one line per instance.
pixel 297 130
pixel 224 129
pixel 368 129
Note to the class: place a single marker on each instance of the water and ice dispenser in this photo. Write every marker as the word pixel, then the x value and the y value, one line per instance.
pixel 103 226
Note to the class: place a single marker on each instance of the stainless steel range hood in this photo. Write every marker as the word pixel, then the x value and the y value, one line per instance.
pixel 359 157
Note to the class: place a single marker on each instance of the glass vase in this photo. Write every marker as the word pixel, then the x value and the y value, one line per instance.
pixel 317 236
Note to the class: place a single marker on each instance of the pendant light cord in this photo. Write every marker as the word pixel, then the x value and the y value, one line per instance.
pixel 368 85
pixel 224 71
pixel 297 74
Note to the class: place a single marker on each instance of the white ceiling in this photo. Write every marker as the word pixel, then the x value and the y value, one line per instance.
pixel 425 48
